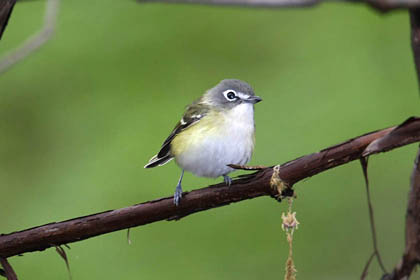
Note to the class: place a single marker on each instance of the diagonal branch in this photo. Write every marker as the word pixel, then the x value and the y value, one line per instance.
pixel 9 273
pixel 246 187
pixel 6 8
pixel 34 42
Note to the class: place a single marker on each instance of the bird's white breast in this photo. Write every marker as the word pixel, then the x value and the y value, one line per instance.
pixel 217 140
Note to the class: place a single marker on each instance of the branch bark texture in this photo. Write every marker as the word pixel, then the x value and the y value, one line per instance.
pixel 246 187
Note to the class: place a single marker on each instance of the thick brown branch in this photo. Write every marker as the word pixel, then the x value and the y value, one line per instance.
pixel 246 187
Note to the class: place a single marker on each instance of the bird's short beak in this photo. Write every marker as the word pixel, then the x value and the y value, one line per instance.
pixel 254 99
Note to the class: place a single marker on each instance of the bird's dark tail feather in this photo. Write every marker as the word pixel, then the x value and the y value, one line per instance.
pixel 155 161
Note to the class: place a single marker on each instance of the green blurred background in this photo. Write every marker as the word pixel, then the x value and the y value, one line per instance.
pixel 80 117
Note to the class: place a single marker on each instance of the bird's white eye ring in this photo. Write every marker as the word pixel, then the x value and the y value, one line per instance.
pixel 230 95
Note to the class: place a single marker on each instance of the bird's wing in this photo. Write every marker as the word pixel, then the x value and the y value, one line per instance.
pixel 194 113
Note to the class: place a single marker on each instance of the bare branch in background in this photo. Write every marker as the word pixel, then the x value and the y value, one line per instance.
pixel 6 8
pixel 246 187
pixel 246 3
pixel 366 268
pixel 380 5
pixel 411 257
pixel 415 39
pixel 364 163
pixel 36 41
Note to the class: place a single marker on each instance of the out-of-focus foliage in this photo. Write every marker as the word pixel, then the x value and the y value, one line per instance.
pixel 80 118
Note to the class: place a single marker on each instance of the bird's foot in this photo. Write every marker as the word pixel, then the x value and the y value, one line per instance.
pixel 227 179
pixel 178 194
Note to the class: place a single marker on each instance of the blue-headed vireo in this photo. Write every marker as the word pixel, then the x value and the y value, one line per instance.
pixel 216 130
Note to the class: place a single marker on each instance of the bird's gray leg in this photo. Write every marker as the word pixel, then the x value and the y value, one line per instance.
pixel 227 179
pixel 178 190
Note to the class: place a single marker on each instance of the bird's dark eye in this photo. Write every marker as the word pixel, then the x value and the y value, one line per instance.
pixel 230 95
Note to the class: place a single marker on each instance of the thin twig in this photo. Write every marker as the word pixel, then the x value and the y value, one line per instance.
pixel 8 269
pixel 63 255
pixel 366 268
pixel 380 5
pixel 364 163
pixel 34 42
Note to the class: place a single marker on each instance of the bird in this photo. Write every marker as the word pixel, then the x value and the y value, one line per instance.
pixel 216 130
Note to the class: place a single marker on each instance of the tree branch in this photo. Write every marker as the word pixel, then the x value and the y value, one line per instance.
pixel 411 257
pixel 246 3
pixel 8 271
pixel 34 42
pixel 6 8
pixel 380 5
pixel 364 163
pixel 415 39
pixel 246 187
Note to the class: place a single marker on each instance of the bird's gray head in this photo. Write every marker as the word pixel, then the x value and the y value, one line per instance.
pixel 230 93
